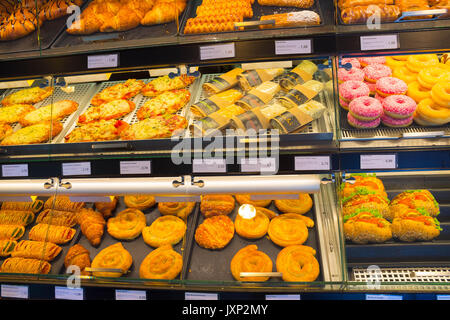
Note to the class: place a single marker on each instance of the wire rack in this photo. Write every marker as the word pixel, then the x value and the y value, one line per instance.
pixel 402 275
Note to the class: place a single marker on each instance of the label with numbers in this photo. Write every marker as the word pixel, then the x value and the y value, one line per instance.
pixel 15 170
pixel 76 168
pixel 103 61
pixel 13 291
pixel 442 297
pixel 283 297
pixel 217 51
pixel 293 47
pixel 200 296
pixel 135 167
pixel 311 163
pixel 383 297
pixel 66 293
pixel 378 161
pixel 380 42
pixel 209 166
pixel 131 295
pixel 258 165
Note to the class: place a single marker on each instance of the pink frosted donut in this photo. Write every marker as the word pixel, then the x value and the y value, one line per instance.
pixel 379 98
pixel 399 106
pixel 376 71
pixel 352 89
pixel 388 86
pixel 343 103
pixel 362 124
pixel 353 61
pixel 372 88
pixel 365 108
pixel 365 61
pixel 396 123
pixel 351 74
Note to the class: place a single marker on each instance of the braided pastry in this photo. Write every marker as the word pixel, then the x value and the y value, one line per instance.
pixel 36 250
pixel 63 203
pixel 24 265
pixel 51 233
pixel 15 217
pixel 34 206
pixel 361 14
pixel 57 218
pixel 6 247
pixel 11 232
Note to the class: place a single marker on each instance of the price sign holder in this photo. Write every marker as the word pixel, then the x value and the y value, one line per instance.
pixel 209 166
pixel 312 163
pixel 14 170
pixel 286 47
pixel 218 51
pixel 378 161
pixel 380 42
pixel 135 167
pixel 76 168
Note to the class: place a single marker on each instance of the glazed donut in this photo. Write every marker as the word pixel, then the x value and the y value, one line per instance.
pixel 433 113
pixel 140 202
pixel 353 61
pixel 393 63
pixel 352 74
pixel 161 263
pixel 245 199
pixel 163 231
pixel 343 104
pixel 362 124
pixel 404 74
pixel 372 88
pixel 440 93
pixel 422 122
pixel 214 205
pixel 365 61
pixel 379 98
pixel 388 86
pixel 298 264
pixel 373 72
pixel 415 63
pixel 253 228
pixel 288 229
pixel 430 76
pixel 352 89
pixel 301 205
pixel 399 106
pixel 365 108
pixel 395 122
pixel 179 209
pixel 418 93
pixel 127 225
pixel 250 259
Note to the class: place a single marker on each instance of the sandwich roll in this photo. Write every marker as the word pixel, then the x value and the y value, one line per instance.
pixel 222 82
pixel 259 96
pixel 252 78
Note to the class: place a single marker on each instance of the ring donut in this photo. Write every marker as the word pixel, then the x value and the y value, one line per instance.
pixel 433 113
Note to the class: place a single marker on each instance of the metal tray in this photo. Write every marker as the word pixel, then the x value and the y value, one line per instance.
pixel 207 265
pixel 258 12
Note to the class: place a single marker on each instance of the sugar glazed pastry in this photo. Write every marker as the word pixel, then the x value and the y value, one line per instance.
pixel 92 225
pixel 127 224
pixel 162 263
pixel 78 256
pixel 164 230
pixel 113 257
pixel 215 232
pixel 301 205
pixel 179 209
pixel 214 205
pixel 289 229
pixel 250 259
pixel 298 263
pixel 140 202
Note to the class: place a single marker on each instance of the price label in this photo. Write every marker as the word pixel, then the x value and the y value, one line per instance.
pixel 380 42
pixel 283 297
pixel 15 170
pixel 131 295
pixel 293 47
pixel 262 165
pixel 442 297
pixel 217 51
pixel 103 61
pixel 76 168
pixel 383 297
pixel 135 167
pixel 200 296
pixel 66 293
pixel 13 291
pixel 378 161
pixel 209 166
pixel 312 163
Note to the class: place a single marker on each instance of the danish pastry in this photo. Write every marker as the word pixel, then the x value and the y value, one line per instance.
pixel 113 257
pixel 15 217
pixel 11 232
pixel 6 247
pixel 36 250
pixel 289 229
pixel 164 230
pixel 139 202
pixel 301 205
pixel 161 263
pixel 58 218
pixel 127 225
pixel 246 199
pixel 179 209
pixel 250 259
pixel 215 232
pixel 51 233
pixel 253 228
pixel 34 206
pixel 78 256
pixel 24 265
pixel 298 264
pixel 63 203
pixel 106 208
pixel 214 205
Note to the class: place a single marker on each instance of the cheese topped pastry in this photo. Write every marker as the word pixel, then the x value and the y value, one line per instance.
pixel 165 83
pixel 54 111
pixel 28 96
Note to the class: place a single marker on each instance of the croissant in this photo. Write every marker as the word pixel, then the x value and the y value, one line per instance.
pixel 57 218
pixel 51 233
pixel 24 265
pixel 63 203
pixel 106 208
pixel 19 24
pixel 92 225
pixel 36 250
pixel 128 17
pixel 164 11
pixel 78 256
pixel 55 9
pixel 34 206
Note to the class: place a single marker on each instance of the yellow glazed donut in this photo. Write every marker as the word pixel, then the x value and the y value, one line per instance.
pixel 415 63
pixel 393 63
pixel 404 74
pixel 430 112
pixel 418 93
pixel 428 77
pixel 440 93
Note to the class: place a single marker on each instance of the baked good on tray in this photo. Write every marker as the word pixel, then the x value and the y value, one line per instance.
pixel 25 265
pixel 27 96
pixel 5 130
pixel 367 226
pixel 250 259
pixel 165 83
pixel 6 247
pixel 289 229
pixel 57 217
pixel 51 233
pixel 11 232
pixel 414 199
pixel 215 232
pixel 114 256
pixel 213 205
pixel 298 264
pixel 123 90
pixel 179 209
pixel 155 128
pixel 127 224
pixel 107 111
pixel 253 228
pixel 106 208
pixel 415 225
pixel 14 113
pixel 164 230
pixel 34 206
pixel 246 199
pixel 301 205
pixel 161 263
pixel 140 202
pixel 287 3
pixel 166 103
pixel 367 199
pixel 38 133
pixel 36 250
pixel 16 217
pixel 51 112
pixel 361 14
pixel 92 225
pixel 164 11
pixel 78 256
pixel 63 203
pixel 102 130
pixel 366 181
pixel 292 19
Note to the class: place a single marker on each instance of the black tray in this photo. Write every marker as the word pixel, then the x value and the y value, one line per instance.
pixel 214 265
pixel 258 11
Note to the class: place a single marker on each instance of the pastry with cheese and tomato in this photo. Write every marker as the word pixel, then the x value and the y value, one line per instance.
pixel 414 199
pixel 367 226
pixel 110 110
pixel 165 83
pixel 363 197
pixel 367 181
pixel 165 104
pixel 415 225
pixel 122 90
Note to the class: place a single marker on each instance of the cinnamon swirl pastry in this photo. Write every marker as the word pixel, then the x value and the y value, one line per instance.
pixel 253 228
pixel 179 209
pixel 250 259
pixel 161 263
pixel 140 202
pixel 127 225
pixel 245 199
pixel 215 205
pixel 298 264
pixel 113 257
pixel 289 229
pixel 164 230
pixel 301 205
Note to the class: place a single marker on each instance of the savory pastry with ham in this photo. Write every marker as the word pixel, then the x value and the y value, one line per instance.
pixel 165 83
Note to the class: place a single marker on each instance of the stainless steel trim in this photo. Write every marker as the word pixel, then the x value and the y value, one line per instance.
pixel 37 187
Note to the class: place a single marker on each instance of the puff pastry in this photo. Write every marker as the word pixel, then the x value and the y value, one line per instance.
pixel 106 208
pixel 161 263
pixel 113 257
pixel 253 228
pixel 51 233
pixel 6 247
pixel 57 217
pixel 246 198
pixel 288 229
pixel 140 202
pixel 215 232
pixel 127 224
pixel 27 96
pixel 11 232
pixel 179 209
pixel 36 250
pixel 214 205
pixel 298 264
pixel 34 206
pixel 300 206
pixel 164 230
pixel 63 203
pixel 78 256
pixel 24 265
pixel 250 259
pixel 15 217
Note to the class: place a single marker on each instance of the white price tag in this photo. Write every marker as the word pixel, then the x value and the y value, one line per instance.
pixel 66 293
pixel 200 296
pixel 380 42
pixel 383 297
pixel 14 291
pixel 258 165
pixel 442 297
pixel 283 297
pixel 217 51
pixel 131 295
pixel 15 170
pixel 293 47
pixel 76 168
pixel 378 161
pixel 103 61
pixel 209 166
pixel 311 163
pixel 135 167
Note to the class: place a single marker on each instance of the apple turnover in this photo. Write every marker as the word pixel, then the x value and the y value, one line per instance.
pixel 127 225
pixel 289 229
pixel 11 232
pixel 57 218
pixel 36 250
pixel 250 259
pixel 140 202
pixel 179 209
pixel 298 264
pixel 164 230
pixel 246 199
pixel 253 228
pixel 215 205
pixel 301 205
pixel 6 247
pixel 113 257
pixel 51 233
pixel 24 265
pixel 215 232
pixel 161 263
